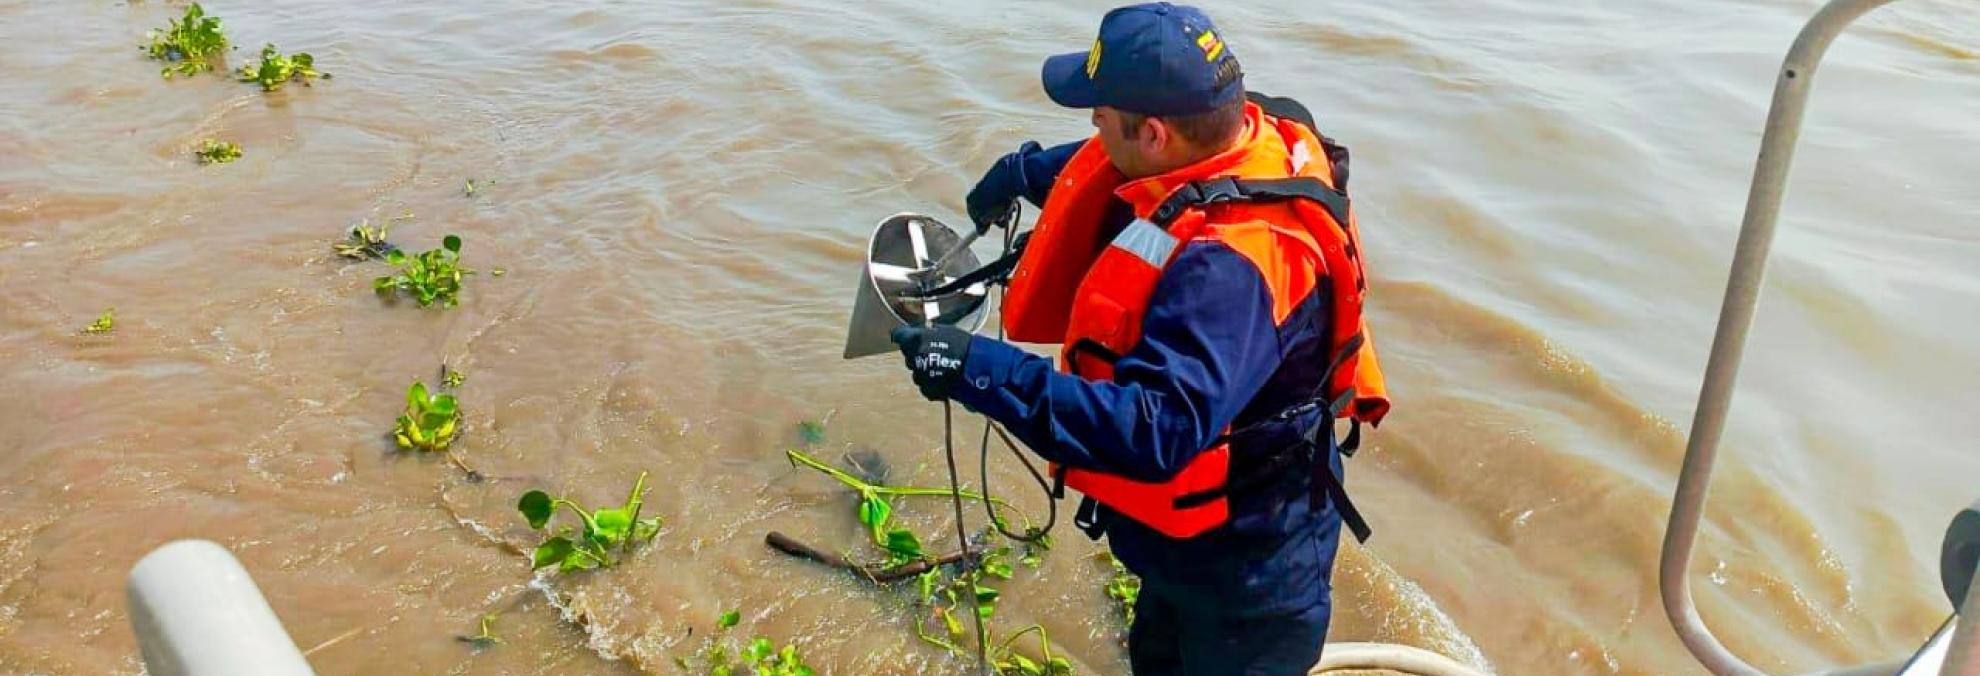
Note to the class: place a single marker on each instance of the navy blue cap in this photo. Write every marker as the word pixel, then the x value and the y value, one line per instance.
pixel 1152 59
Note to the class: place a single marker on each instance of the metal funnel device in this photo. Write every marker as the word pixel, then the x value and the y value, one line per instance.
pixel 907 254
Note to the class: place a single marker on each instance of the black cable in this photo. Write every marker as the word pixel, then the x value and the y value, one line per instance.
pixel 962 532
pixel 1032 534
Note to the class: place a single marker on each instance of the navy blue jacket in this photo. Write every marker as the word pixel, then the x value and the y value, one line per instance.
pixel 1210 356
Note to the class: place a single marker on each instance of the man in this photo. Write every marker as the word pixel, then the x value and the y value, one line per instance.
pixel 1197 260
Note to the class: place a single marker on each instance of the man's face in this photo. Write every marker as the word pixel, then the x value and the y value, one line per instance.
pixel 1129 151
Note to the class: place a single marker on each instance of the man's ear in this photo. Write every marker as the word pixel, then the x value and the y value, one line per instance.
pixel 1156 134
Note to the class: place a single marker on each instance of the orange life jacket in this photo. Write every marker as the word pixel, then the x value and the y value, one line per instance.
pixel 1275 199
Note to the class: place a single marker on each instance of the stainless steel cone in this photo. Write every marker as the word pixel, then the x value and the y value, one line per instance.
pixel 902 247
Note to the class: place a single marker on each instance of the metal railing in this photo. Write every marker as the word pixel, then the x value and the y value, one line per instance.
pixel 1756 235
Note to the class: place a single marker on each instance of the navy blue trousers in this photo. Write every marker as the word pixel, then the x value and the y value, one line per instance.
pixel 1168 638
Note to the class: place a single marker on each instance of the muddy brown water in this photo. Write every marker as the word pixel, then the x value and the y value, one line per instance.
pixel 679 192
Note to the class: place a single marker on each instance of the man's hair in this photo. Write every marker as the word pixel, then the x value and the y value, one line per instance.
pixel 1208 129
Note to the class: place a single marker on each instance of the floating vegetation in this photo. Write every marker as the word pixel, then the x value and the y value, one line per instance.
pixel 452 378
pixel 948 587
pixel 430 277
pixel 275 69
pixel 603 531
pixel 366 241
pixel 487 637
pixel 187 44
pixel 1124 587
pixel 470 188
pixel 217 152
pixel 104 323
pixel 430 420
pixel 761 657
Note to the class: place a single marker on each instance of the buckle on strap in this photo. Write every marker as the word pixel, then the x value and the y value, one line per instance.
pixel 1089 520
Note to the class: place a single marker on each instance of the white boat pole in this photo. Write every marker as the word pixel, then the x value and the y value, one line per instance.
pixel 197 613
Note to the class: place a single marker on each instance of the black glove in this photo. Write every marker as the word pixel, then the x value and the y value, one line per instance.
pixel 991 201
pixel 935 354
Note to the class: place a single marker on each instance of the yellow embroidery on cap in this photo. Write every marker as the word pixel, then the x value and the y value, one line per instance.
pixel 1093 59
pixel 1212 47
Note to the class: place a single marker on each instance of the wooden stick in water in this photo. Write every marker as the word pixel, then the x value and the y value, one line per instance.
pixel 784 543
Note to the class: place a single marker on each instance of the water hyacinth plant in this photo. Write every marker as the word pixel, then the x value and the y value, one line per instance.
pixel 187 44
pixel 430 420
pixel 217 152
pixel 951 589
pixel 1124 587
pixel 430 277
pixel 366 241
pixel 104 323
pixel 761 657
pixel 275 69
pixel 603 530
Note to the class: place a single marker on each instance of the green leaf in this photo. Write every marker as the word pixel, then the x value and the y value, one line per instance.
pixel 997 562
pixel 433 421
pixel 1058 666
pixel 902 543
pixel 416 397
pixel 728 619
pixel 925 584
pixel 396 257
pixel 986 594
pixel 554 551
pixel 444 435
pixel 452 243
pixel 758 650
pixel 613 525
pixel 581 559
pixel 536 506
pixel 874 512
pixel 954 625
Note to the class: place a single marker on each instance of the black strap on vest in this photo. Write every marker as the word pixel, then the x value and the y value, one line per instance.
pixel 1226 189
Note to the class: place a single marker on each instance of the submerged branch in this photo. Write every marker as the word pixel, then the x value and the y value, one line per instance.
pixel 878 574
